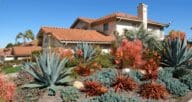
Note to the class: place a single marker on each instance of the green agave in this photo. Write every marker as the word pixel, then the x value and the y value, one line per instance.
pixel 48 72
pixel 88 51
pixel 175 53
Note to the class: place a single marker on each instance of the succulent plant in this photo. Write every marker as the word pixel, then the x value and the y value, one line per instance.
pixel 124 83
pixel 70 94
pixel 105 76
pixel 93 88
pixel 187 79
pixel 153 91
pixel 176 53
pixel 111 96
pixel 175 87
pixel 48 72
pixel 164 75
pixel 85 50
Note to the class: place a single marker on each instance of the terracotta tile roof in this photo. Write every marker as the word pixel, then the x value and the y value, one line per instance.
pixel 25 50
pixel 114 16
pixel 32 43
pixel 6 52
pixel 88 20
pixel 63 34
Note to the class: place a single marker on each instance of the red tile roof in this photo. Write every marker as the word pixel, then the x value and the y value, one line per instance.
pixel 63 34
pixel 88 20
pixel 115 16
pixel 6 52
pixel 25 50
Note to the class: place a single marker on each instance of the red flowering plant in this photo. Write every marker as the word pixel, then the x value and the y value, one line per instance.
pixel 152 63
pixel 152 89
pixel 7 89
pixel 93 88
pixel 64 53
pixel 129 54
pixel 124 83
pixel 176 34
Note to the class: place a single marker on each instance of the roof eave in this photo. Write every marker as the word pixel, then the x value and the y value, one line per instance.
pixel 91 42
pixel 123 18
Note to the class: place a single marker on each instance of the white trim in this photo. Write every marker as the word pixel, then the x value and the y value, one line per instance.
pixel 91 42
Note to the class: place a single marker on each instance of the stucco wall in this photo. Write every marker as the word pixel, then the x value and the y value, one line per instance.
pixel 122 25
pixel 157 31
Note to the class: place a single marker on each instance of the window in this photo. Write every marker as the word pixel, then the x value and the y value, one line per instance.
pixel 105 27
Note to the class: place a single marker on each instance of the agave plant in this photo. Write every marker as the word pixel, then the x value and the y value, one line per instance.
pixel 85 50
pixel 48 72
pixel 176 53
pixel 148 39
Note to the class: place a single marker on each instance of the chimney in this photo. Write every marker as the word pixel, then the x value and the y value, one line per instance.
pixel 142 14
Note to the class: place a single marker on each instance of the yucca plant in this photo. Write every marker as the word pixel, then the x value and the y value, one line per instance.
pixel 176 53
pixel 48 72
pixel 85 51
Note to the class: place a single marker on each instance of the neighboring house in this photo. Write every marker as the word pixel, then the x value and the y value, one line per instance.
pixel 24 52
pixel 6 55
pixel 99 31
pixel 21 52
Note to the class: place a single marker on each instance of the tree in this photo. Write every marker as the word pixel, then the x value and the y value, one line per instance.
pixel 9 45
pixel 27 35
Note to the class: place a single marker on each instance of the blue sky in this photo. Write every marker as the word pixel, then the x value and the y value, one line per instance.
pixel 19 15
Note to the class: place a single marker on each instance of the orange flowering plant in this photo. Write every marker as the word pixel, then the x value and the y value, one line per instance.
pixel 176 34
pixel 129 54
pixel 7 89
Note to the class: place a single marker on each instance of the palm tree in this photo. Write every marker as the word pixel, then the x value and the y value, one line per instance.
pixel 27 35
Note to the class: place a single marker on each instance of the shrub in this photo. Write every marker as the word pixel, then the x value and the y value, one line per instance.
pixel 187 79
pixel 136 75
pixel 148 39
pixel 73 62
pixel 105 76
pixel 114 97
pixel 175 87
pixel 177 73
pixel 165 74
pixel 70 94
pixel 152 63
pixel 93 88
pixel 105 60
pixel 129 54
pixel 153 91
pixel 124 83
pixel 7 89
pixel 82 70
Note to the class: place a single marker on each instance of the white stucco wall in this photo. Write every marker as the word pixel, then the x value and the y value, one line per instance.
pixel 122 25
pixel 157 31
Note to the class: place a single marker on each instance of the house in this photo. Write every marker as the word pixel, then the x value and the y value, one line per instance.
pixel 20 52
pixel 98 31
pixel 6 55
